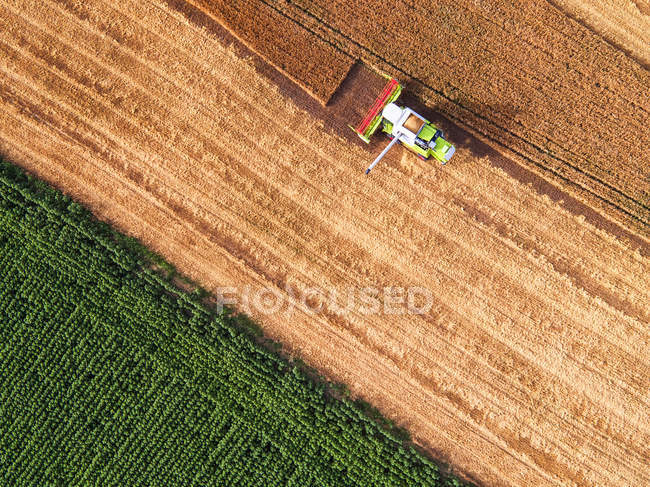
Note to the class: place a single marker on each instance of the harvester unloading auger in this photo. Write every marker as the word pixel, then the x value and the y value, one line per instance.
pixel 403 125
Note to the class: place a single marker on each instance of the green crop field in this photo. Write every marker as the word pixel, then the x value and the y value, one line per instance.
pixel 110 375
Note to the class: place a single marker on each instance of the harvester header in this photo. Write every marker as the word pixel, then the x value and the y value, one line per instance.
pixel 372 119
pixel 403 125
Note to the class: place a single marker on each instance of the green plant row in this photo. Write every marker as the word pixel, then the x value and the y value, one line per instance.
pixel 111 375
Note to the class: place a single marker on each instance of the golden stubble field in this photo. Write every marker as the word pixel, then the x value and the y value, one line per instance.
pixel 531 368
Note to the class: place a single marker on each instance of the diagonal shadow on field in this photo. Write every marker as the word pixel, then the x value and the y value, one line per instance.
pixel 412 98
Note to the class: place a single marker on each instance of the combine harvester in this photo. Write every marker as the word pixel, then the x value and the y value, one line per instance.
pixel 403 125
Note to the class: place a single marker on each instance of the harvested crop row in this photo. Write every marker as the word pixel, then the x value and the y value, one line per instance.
pixel 304 57
pixel 530 368
pixel 568 103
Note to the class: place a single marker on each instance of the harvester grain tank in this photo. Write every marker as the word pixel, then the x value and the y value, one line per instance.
pixel 403 125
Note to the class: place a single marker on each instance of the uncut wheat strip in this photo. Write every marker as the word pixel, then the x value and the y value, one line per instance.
pixel 485 14
pixel 567 30
pixel 581 48
pixel 534 124
pixel 318 65
pixel 603 104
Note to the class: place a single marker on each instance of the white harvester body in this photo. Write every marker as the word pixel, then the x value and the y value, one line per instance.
pixel 406 123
